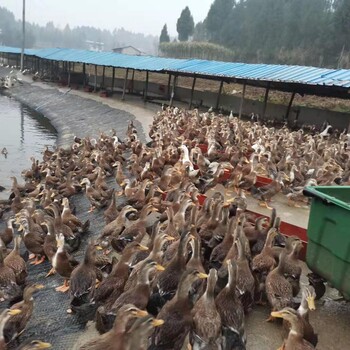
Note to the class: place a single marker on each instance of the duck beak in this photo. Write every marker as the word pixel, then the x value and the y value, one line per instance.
pixel 202 275
pixel 43 345
pixel 159 267
pixel 14 312
pixel 99 247
pixel 277 314
pixel 142 247
pixel 159 190
pixel 169 238
pixel 157 322
pixel 140 313
pixel 311 303
pixel 39 286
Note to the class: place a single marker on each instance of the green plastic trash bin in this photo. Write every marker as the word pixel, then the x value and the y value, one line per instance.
pixel 328 250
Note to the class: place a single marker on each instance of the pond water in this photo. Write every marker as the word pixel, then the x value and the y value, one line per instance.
pixel 24 133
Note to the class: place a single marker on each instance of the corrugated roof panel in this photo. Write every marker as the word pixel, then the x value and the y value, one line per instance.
pixel 265 72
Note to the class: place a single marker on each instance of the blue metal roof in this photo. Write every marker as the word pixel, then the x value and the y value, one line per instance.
pixel 254 72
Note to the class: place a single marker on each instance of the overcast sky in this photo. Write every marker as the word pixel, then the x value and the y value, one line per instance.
pixel 135 15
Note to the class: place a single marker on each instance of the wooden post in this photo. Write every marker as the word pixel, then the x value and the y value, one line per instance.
pixel 103 77
pixel 290 105
pixel 146 88
pixel 95 87
pixel 192 92
pixel 242 101
pixel 68 74
pixel 125 81
pixel 84 75
pixel 173 91
pixel 219 94
pixel 132 81
pixel 113 78
pixel 169 81
pixel 265 100
pixel 73 66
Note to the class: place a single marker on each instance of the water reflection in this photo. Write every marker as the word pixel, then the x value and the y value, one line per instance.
pixel 24 133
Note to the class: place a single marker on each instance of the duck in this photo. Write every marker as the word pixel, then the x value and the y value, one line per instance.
pixel 114 338
pixel 140 331
pixel 206 330
pixel 292 268
pixel 169 279
pixel 295 340
pixel 96 198
pixel 33 239
pixel 113 286
pixel 231 311
pixel 83 279
pixel 139 296
pixel 7 234
pixel 63 263
pixel 34 345
pixel 4 317
pixel 265 193
pixel 279 291
pixel 176 314
pixel 307 304
pixel 18 322
pixel 9 288
pixel 111 213
pixel 71 220
pixel 15 261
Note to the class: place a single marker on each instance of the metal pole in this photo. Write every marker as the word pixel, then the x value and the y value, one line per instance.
pixel 84 75
pixel 219 94
pixel 173 91
pixel 125 81
pixel 242 101
pixel 113 77
pixel 290 105
pixel 192 92
pixel 146 87
pixel 265 100
pixel 23 34
pixel 95 87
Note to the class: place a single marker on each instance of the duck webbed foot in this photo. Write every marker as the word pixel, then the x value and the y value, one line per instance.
pixel 38 261
pixel 64 288
pixel 265 205
pixel 51 272
pixel 92 208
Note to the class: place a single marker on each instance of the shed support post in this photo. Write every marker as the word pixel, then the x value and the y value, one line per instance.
pixel 84 75
pixel 265 101
pixel 113 78
pixel 192 92
pixel 68 74
pixel 73 68
pixel 132 81
pixel 242 101
pixel 290 105
pixel 173 91
pixel 95 87
pixel 219 94
pixel 169 81
pixel 103 77
pixel 146 88
pixel 125 81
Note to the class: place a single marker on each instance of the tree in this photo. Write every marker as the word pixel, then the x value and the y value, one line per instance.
pixel 164 36
pixel 185 24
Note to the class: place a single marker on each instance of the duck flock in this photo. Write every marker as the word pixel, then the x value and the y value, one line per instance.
pixel 178 263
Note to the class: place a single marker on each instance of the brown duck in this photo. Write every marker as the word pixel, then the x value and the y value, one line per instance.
pixel 176 315
pixel 17 323
pixel 206 318
pixel 16 262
